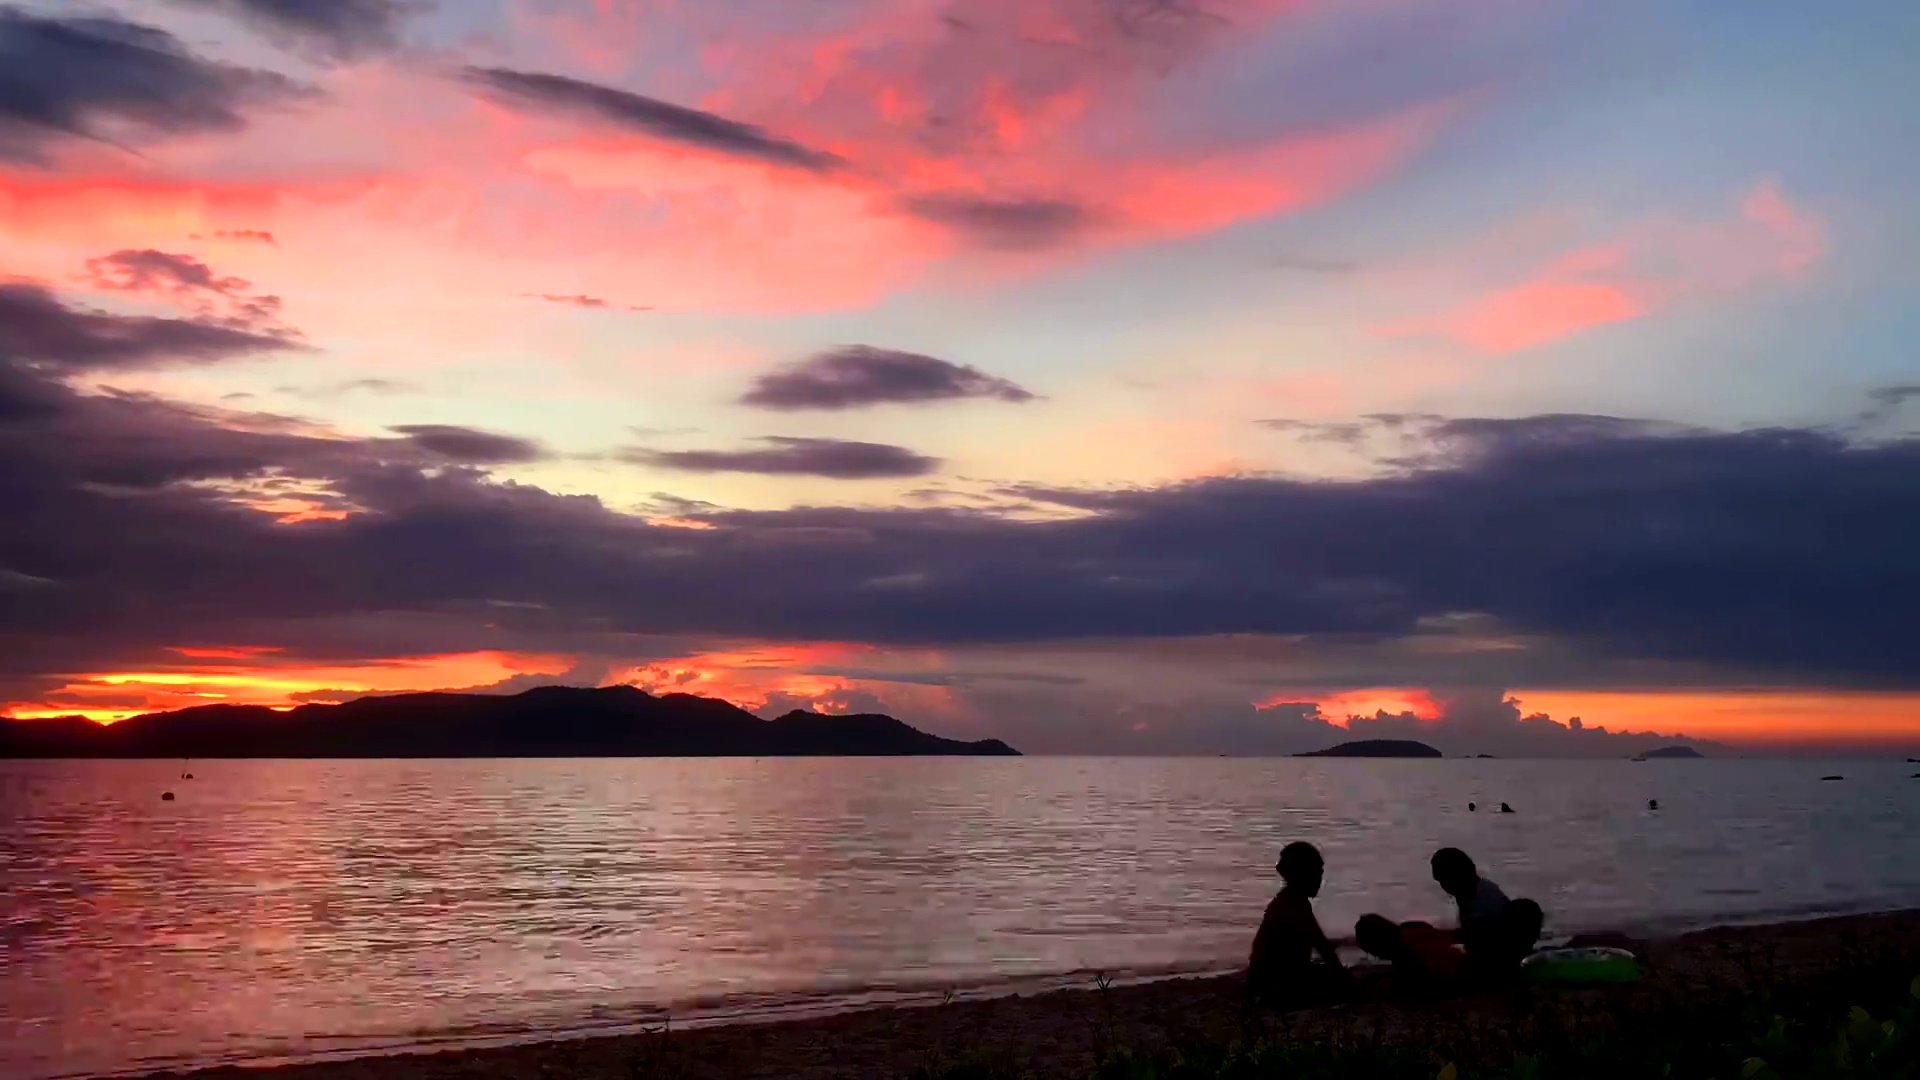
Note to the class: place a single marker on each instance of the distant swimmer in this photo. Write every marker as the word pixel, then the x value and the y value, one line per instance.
pixel 1653 804
pixel 1505 809
pixel 166 796
pixel 1471 807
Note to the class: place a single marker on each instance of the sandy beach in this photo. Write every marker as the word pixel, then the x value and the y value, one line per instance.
pixel 1065 1032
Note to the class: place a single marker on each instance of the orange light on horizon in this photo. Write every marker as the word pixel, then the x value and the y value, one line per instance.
pixel 222 652
pixel 1758 715
pixel 262 679
pixel 1363 701
pixel 747 677
pixel 18 711
pixel 291 511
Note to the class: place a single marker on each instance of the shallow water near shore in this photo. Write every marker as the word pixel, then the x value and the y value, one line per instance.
pixel 281 910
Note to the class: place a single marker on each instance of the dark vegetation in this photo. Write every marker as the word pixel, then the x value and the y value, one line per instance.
pixel 552 721
pixel 1802 1032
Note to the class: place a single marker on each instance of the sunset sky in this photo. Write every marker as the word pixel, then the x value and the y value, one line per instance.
pixel 1104 375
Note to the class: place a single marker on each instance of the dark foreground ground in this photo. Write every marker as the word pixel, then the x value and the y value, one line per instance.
pixel 1760 1002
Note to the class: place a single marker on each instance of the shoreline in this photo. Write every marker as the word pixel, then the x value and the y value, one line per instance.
pixel 1064 1029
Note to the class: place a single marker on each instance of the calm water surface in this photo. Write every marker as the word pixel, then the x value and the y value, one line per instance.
pixel 290 909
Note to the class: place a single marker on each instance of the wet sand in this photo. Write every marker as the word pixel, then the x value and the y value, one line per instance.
pixel 1065 1031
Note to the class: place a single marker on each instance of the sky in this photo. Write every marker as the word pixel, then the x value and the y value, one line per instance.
pixel 1108 376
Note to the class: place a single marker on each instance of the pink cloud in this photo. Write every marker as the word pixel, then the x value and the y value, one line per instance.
pixel 1175 197
pixel 958 118
pixel 1541 312
pixel 1653 265
pixel 1008 107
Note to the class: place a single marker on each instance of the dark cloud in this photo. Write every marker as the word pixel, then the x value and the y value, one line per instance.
pixel 471 445
pixel 37 328
pixel 576 300
pixel 107 80
pixel 356 386
pixel 836 458
pixel 1776 556
pixel 1498 437
pixel 252 236
pixel 592 303
pixel 336 29
pixel 558 93
pixel 1417 439
pixel 226 299
pixel 1011 224
pixel 1344 433
pixel 1887 402
pixel 852 376
pixel 138 271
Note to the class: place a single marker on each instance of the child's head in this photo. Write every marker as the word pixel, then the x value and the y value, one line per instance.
pixel 1378 936
pixel 1455 872
pixel 1301 867
pixel 1526 919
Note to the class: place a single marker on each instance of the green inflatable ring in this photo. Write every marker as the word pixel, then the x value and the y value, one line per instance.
pixel 1581 967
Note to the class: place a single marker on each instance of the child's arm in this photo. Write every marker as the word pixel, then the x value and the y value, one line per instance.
pixel 1320 943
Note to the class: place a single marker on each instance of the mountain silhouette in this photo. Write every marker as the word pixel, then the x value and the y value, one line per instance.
pixel 1670 752
pixel 551 721
pixel 1398 748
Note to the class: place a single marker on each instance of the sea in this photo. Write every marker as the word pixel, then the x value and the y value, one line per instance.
pixel 280 911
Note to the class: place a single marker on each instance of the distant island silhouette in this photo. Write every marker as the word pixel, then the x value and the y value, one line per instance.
pixel 1377 748
pixel 1670 752
pixel 551 721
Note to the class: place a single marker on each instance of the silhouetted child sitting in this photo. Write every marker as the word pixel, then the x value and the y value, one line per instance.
pixel 1281 970
pixel 1496 932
